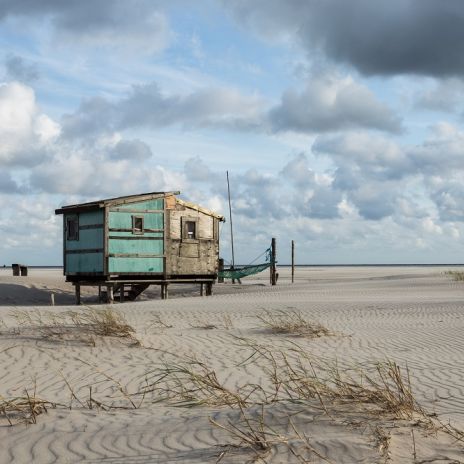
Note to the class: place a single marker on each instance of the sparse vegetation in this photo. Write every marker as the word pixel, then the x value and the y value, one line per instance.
pixel 455 275
pixel 23 409
pixel 291 322
pixel 252 432
pixel 224 321
pixel 192 383
pixel 82 325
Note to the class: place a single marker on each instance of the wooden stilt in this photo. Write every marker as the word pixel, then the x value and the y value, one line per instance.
pixel 164 291
pixel 209 289
pixel 78 293
pixel 121 293
pixel 201 289
pixel 100 294
pixel 110 294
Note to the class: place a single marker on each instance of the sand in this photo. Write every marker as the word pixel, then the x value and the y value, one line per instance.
pixel 413 316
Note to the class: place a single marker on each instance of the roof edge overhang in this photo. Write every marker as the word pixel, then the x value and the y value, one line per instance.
pixel 96 205
pixel 196 207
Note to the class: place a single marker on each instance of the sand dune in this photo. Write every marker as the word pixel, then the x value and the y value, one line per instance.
pixel 413 316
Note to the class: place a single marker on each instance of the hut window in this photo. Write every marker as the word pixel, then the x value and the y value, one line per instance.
pixel 72 228
pixel 137 225
pixel 190 230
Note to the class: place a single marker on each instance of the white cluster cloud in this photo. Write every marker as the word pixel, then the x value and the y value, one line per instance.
pixel 24 130
pixel 330 102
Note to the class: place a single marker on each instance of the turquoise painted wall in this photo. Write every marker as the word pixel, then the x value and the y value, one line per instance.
pixel 156 204
pixel 136 253
pixel 128 265
pixel 89 239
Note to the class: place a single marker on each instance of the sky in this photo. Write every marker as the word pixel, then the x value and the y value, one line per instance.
pixel 340 123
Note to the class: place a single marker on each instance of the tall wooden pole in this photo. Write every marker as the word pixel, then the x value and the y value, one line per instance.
pixel 230 217
pixel 293 261
pixel 273 261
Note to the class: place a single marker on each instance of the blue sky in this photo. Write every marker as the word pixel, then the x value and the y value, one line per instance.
pixel 340 122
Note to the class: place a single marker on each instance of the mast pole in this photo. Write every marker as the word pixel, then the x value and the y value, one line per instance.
pixel 230 217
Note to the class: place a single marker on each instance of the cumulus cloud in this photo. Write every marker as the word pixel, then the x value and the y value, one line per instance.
pixel 372 156
pixel 24 130
pixel 331 103
pixel 376 37
pixel 147 106
pixel 441 153
pixel 106 164
pixel 328 103
pixel 119 23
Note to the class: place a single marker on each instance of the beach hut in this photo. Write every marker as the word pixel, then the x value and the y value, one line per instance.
pixel 127 243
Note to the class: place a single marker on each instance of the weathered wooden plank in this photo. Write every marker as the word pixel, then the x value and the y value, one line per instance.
pixel 84 263
pixel 88 239
pixel 155 204
pixel 91 226
pixel 129 231
pixel 135 246
pixel 138 237
pixel 170 202
pixel 132 264
pixel 135 210
pixel 87 250
pixel 123 220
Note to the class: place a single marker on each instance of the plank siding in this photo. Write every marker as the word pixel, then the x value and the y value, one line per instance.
pixel 85 255
pixel 130 253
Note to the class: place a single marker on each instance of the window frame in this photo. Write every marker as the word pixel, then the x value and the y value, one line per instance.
pixel 75 236
pixel 138 230
pixel 185 236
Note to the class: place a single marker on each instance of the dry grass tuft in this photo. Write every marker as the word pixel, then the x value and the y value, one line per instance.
pixel 384 387
pixel 79 326
pixel 23 409
pixel 455 275
pixel 157 322
pixel 388 388
pixel 253 433
pixel 292 322
pixel 104 322
pixel 192 383
pixel 224 321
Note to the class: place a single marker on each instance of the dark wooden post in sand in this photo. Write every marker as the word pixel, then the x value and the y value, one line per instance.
pixel 273 261
pixel 220 268
pixel 209 288
pixel 293 261
pixel 164 291
pixel 77 288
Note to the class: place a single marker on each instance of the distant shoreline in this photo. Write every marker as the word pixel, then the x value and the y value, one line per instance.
pixel 304 265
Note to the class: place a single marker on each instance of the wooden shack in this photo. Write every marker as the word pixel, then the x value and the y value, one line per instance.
pixel 128 243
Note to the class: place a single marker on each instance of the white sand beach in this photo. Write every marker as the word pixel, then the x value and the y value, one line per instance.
pixel 113 400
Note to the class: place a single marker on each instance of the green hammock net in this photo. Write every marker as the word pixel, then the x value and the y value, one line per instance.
pixel 245 271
